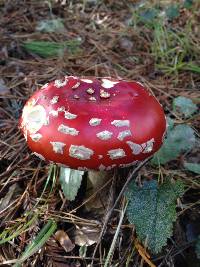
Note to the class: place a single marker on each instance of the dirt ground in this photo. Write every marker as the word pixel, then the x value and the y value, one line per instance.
pixel 94 38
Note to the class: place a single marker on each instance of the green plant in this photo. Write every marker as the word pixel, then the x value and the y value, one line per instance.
pixel 152 210
pixel 70 182
pixel 38 242
pixel 184 105
pixel 179 139
pixel 172 48
pixel 52 49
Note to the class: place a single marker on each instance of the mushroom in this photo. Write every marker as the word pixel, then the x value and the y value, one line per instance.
pixel 93 124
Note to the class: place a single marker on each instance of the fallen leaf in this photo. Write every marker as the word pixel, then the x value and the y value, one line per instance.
pixel 86 235
pixel 64 240
pixel 11 195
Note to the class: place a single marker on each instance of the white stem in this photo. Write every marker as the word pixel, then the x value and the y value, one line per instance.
pixel 98 178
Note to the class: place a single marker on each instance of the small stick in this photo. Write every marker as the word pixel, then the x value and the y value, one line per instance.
pixel 115 204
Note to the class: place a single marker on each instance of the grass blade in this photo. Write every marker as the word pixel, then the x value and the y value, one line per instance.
pixel 38 242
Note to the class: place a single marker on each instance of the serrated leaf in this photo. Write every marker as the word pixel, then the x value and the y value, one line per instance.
pixel 50 25
pixel 172 11
pixel 193 167
pixel 197 247
pixel 184 105
pixel 152 209
pixel 70 182
pixel 179 139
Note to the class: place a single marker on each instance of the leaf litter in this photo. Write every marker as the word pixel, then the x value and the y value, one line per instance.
pixel 102 38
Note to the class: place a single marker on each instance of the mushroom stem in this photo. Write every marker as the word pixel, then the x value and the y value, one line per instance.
pixel 96 181
pixel 98 178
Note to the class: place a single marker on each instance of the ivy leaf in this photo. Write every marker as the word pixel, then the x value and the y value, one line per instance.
pixel 70 182
pixel 152 210
pixel 184 105
pixel 193 167
pixel 179 139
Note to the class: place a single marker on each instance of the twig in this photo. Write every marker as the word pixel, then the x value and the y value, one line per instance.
pixel 112 247
pixel 107 217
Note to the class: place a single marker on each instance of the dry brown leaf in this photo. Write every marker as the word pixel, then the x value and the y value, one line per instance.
pixel 86 235
pixel 64 240
pixel 12 193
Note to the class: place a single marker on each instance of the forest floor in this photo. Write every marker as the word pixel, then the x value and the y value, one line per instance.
pixel 154 42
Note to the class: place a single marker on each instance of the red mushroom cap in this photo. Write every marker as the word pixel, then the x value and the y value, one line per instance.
pixel 93 123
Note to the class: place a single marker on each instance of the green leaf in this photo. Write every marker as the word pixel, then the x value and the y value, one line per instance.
pixel 51 25
pixel 44 49
pixel 193 167
pixel 197 247
pixel 172 11
pixel 191 67
pixel 184 105
pixel 179 139
pixel 52 49
pixel 152 209
pixel 170 124
pixel 188 4
pixel 11 233
pixel 82 251
pixel 70 182
pixel 148 15
pixel 38 242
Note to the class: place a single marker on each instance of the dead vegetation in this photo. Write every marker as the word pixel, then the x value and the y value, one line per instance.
pixel 101 38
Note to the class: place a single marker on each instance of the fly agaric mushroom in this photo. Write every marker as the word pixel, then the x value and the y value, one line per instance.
pixel 90 123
